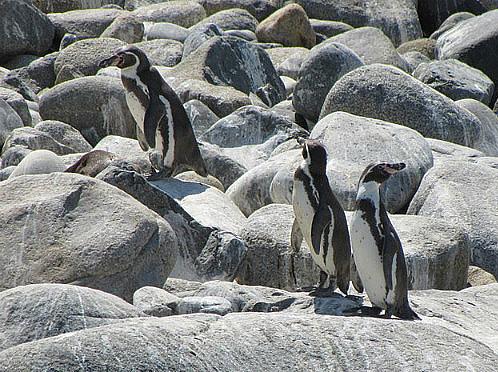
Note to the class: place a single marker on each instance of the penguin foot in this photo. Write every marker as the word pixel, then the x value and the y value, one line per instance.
pixel 323 292
pixel 370 311
pixel 162 174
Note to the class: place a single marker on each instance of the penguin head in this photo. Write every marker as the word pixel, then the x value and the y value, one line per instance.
pixel 314 155
pixel 380 172
pixel 126 57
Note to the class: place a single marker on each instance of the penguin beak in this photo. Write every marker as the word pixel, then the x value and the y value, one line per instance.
pixel 112 61
pixel 394 168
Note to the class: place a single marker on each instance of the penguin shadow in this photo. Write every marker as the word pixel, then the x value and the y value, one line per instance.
pixel 333 303
pixel 179 189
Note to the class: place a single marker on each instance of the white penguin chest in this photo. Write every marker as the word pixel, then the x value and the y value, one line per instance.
pixel 136 108
pixel 368 261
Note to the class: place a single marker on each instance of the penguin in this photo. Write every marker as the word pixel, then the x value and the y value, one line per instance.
pixel 376 246
pixel 163 127
pixel 320 219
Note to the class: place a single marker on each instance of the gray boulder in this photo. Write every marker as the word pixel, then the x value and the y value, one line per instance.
pixel 56 6
pixel 65 135
pixel 180 12
pixel 199 36
pixel 415 59
pixel 371 45
pixel 488 141
pixel 281 54
pixel 249 125
pixel 5 172
pixel 165 30
pixel 162 52
pixel 39 311
pixel 474 42
pixel 463 193
pixel 329 28
pixel 18 103
pixel 74 102
pixel 155 301
pixel 398 19
pixel 9 120
pixel 424 46
pixel 35 139
pixel 86 22
pixel 125 28
pixel 126 148
pixel 13 156
pixel 456 80
pixel 479 277
pixel 259 9
pixel 82 57
pixel 38 162
pixel 292 65
pixel 230 19
pixel 442 150
pixel 26 30
pixel 387 93
pixel 451 22
pixel 130 245
pixel 19 61
pixel 324 66
pixel 206 305
pixel 201 117
pixel 246 68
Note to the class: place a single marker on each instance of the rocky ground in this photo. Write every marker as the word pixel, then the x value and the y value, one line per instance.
pixel 111 272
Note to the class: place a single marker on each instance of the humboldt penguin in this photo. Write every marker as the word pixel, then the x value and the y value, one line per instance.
pixel 376 246
pixel 320 219
pixel 163 127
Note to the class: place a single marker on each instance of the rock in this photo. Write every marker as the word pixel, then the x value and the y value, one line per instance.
pixel 180 12
pixel 221 166
pixel 13 156
pixel 249 125
pixel 35 139
pixel 292 66
pixel 201 117
pixel 456 80
pixel 20 61
pixel 130 245
pixel 84 56
pixel 259 9
pixel 205 253
pixel 281 54
pixel 288 26
pixel 126 148
pixel 155 301
pixel 206 305
pixel 463 193
pixel 246 68
pixel 125 28
pixel 415 59
pixel 39 311
pixel 134 4
pixel 64 134
pixel 165 30
pixel 18 103
pixel 162 52
pixel 488 141
pixel 478 277
pixel 208 205
pixel 324 66
pixel 474 42
pixel 222 100
pixel 94 105
pixel 371 45
pixel 26 30
pixel 397 19
pixel 243 34
pixel 59 6
pixel 353 142
pixel 38 75
pixel 36 162
pixel 230 19
pixel 9 120
pixel 329 28
pixel 442 150
pixel 433 13
pixel 191 176
pixel 451 22
pixel 87 22
pixel 386 93
pixel 289 84
pixel 178 286
pixel 5 172
pixel 424 46
pixel 199 36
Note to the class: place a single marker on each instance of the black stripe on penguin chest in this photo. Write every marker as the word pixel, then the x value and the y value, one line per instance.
pixel 376 229
pixel 131 85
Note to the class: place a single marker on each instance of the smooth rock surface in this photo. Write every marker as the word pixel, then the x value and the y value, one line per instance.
pixel 64 134
pixel 155 301
pixel 9 120
pixel 126 29
pixel 38 162
pixel 230 19
pixel 18 103
pixel 35 139
pixel 162 52
pixel 201 117
pixel 180 12
pixel 205 305
pixel 259 9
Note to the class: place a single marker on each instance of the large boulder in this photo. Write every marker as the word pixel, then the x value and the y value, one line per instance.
pixel 126 148
pixel 387 93
pixel 451 22
pixel 259 9
pixel 442 151
pixel 324 66
pixel 425 46
pixel 95 105
pixel 181 12
pixel 162 52
pixel 38 311
pixel 68 228
pixel 9 120
pixel 36 162
pixel 463 193
pixel 25 29
pixel 245 67
pixel 18 103
pixel 35 139
pixel 288 26
pixel 56 6
pixel 201 117
pixel 230 19
pixel 165 30
pixel 199 36
pixel 64 134
pixel 398 19
pixel 329 28
pixel 125 28
pixel 372 45
pixel 474 42
pixel 456 80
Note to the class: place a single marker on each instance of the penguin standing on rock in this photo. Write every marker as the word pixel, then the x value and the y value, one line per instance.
pixel 376 247
pixel 163 126
pixel 320 219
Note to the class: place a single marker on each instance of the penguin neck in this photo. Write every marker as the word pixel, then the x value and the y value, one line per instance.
pixel 129 72
pixel 306 167
pixel 369 191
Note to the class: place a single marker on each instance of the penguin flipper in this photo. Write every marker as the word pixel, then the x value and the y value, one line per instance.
pixel 296 237
pixel 389 253
pixel 141 139
pixel 355 277
pixel 321 222
pixel 153 115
